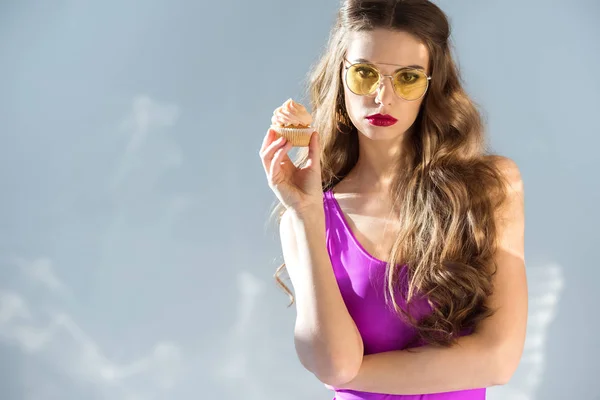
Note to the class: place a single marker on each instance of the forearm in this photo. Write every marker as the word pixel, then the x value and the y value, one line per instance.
pixel 468 365
pixel 326 338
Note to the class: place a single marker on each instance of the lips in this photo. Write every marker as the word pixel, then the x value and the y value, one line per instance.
pixel 381 120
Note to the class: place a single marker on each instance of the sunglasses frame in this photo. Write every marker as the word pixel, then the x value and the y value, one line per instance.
pixel 383 76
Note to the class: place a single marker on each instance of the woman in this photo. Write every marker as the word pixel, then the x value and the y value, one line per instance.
pixel 402 236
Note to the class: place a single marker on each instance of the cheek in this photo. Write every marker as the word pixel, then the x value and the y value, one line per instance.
pixel 408 112
pixel 358 107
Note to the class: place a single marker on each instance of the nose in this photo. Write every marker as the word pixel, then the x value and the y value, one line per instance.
pixel 385 93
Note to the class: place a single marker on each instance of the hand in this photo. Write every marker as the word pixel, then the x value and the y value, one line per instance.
pixel 297 188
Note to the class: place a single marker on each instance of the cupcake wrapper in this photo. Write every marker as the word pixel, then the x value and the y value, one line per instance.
pixel 298 137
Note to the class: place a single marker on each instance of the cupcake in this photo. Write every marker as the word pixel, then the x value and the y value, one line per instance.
pixel 292 121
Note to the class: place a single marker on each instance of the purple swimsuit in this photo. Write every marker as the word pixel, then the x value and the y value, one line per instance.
pixel 361 279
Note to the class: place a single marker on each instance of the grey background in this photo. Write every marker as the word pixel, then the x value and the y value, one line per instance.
pixel 136 260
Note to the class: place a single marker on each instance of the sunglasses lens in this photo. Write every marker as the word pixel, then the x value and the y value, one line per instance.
pixel 410 84
pixel 362 79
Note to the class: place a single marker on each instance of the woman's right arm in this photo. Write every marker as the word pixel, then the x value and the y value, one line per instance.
pixel 326 338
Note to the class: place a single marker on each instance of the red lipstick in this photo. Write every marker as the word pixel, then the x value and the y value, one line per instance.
pixel 381 120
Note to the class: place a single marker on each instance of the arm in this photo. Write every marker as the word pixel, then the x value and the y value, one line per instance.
pixel 485 358
pixel 326 338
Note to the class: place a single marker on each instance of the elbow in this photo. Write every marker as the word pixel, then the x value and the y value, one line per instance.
pixel 340 371
pixel 333 368
pixel 332 362
pixel 502 378
pixel 506 360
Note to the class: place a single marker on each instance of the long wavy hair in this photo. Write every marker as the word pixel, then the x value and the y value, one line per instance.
pixel 448 189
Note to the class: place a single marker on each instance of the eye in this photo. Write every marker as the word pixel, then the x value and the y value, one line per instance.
pixel 366 72
pixel 408 77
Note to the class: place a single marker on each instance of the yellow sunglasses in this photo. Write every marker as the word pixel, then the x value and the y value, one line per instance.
pixel 364 78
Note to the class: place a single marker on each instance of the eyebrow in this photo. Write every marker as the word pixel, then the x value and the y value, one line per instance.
pixel 415 66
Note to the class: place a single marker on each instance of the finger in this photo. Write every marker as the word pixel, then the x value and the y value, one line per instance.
pixel 314 149
pixel 269 153
pixel 285 158
pixel 277 161
pixel 272 137
pixel 269 136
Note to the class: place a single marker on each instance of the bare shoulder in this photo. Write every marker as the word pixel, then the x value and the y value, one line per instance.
pixel 511 215
pixel 511 174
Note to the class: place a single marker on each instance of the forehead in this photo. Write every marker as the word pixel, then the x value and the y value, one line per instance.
pixel 387 47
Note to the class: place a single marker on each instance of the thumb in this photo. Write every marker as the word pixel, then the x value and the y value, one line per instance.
pixel 314 148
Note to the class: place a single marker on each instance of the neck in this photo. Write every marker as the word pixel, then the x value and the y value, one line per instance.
pixel 378 163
